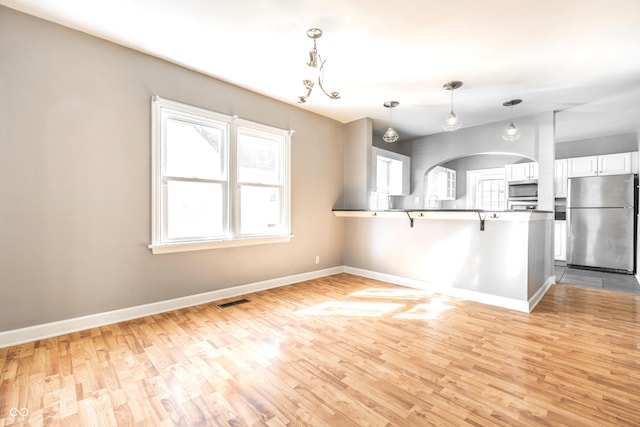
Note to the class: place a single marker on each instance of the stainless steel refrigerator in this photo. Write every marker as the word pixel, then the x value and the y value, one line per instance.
pixel 601 223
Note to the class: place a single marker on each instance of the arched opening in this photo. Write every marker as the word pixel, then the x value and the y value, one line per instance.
pixel 475 181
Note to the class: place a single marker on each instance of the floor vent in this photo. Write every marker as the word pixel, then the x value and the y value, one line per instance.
pixel 232 303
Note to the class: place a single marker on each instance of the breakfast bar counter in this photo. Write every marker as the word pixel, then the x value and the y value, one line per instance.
pixel 503 258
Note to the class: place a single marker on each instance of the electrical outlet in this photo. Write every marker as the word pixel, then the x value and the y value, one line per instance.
pixel 317 259
pixel 416 200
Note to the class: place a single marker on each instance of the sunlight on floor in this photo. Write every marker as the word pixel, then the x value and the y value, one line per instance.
pixel 339 308
pixel 269 348
pixel 410 294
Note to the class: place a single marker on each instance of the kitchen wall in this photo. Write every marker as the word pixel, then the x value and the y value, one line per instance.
pixel 535 143
pixel 75 214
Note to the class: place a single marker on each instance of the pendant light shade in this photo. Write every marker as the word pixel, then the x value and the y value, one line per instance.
pixel 390 135
pixel 511 133
pixel 451 123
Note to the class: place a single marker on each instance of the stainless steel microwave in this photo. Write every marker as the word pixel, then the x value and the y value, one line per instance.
pixel 522 191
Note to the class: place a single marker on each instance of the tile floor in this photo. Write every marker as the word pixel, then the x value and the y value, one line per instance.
pixel 596 279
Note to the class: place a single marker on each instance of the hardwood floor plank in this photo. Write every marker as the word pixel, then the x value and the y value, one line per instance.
pixel 340 350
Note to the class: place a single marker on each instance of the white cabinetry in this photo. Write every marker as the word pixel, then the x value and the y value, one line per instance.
pixel 609 164
pixel 521 172
pixel 560 237
pixel 441 184
pixel 582 166
pixel 614 164
pixel 560 178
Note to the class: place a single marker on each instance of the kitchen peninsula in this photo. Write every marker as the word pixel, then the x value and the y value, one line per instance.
pixel 494 257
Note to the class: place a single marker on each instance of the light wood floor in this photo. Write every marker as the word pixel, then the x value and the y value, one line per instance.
pixel 340 351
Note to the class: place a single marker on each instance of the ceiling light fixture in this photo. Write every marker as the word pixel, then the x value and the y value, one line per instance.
pixel 452 123
pixel 316 62
pixel 511 133
pixel 390 135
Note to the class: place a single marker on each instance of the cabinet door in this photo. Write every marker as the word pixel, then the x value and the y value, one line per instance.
pixel 560 238
pixel 614 164
pixel 517 172
pixel 582 166
pixel 451 184
pixel 533 170
pixel 560 178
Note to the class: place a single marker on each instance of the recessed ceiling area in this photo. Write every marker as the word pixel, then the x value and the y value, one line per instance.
pixel 578 57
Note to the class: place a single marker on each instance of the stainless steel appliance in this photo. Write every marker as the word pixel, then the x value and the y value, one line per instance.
pixel 601 222
pixel 523 191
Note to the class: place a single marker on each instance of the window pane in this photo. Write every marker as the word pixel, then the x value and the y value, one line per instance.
pixel 382 174
pixel 194 151
pixel 491 194
pixel 260 210
pixel 194 209
pixel 259 159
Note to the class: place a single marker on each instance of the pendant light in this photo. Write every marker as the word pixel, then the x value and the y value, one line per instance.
pixel 511 133
pixel 452 123
pixel 390 135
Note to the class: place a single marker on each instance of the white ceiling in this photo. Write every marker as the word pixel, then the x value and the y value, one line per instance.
pixel 581 57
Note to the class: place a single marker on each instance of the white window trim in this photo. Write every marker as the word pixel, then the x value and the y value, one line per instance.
pixel 158 246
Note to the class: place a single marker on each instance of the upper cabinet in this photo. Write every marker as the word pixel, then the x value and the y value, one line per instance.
pixel 441 184
pixel 582 166
pixel 560 178
pixel 521 172
pixel 614 164
pixel 609 164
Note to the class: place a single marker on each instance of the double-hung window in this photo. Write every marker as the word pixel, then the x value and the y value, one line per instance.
pixel 218 181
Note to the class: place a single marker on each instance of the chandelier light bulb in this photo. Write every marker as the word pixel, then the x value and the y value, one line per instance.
pixel 511 133
pixel 452 123
pixel 390 136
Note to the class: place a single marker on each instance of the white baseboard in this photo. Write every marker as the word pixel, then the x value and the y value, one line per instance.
pixel 47 330
pixel 537 297
pixel 498 301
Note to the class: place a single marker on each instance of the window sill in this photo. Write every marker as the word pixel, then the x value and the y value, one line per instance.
pixel 216 244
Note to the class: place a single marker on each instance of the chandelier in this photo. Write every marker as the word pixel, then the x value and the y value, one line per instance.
pixel 316 62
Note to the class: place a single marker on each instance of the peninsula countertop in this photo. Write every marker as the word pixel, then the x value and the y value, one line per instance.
pixel 518 215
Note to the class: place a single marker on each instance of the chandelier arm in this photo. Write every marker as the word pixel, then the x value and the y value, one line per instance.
pixel 303 98
pixel 332 95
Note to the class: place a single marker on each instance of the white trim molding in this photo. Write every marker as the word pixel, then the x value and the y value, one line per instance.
pixel 216 244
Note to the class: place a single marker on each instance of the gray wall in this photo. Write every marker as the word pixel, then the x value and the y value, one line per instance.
pixel 357 165
pixel 595 146
pixel 75 159
pixel 535 143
